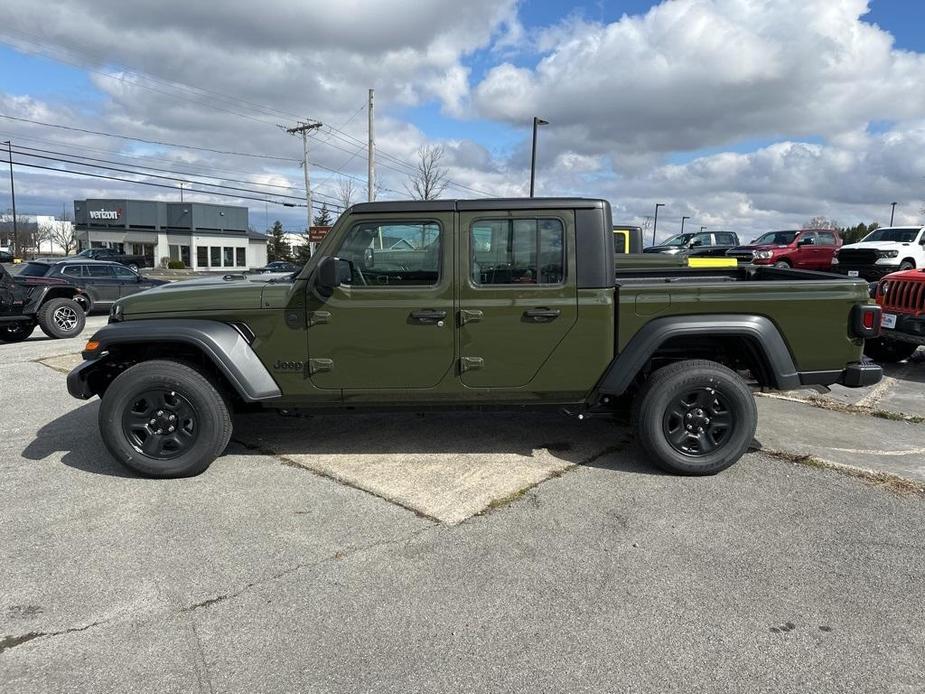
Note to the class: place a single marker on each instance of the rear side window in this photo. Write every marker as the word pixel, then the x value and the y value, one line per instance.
pixel 34 270
pixel 517 251
pixel 100 271
pixel 725 239
pixel 826 238
pixel 702 240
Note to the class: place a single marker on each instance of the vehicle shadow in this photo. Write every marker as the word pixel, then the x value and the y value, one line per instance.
pixel 410 438
pixel 76 435
pixel 910 371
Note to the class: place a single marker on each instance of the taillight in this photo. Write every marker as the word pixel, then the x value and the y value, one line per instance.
pixel 865 320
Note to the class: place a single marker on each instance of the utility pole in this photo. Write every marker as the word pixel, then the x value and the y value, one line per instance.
pixel 892 211
pixel 15 244
pixel 371 152
pixel 303 128
pixel 655 226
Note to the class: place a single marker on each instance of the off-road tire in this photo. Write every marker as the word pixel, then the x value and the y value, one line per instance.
pixel 16 332
pixel 906 265
pixel 61 318
pixel 125 398
pixel 660 398
pixel 886 351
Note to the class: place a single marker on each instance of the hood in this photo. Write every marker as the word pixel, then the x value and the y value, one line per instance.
pixel 907 275
pixel 671 250
pixel 39 281
pixel 878 245
pixel 213 294
pixel 760 247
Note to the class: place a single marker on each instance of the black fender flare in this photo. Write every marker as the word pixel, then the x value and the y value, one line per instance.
pixel 219 342
pixel 760 330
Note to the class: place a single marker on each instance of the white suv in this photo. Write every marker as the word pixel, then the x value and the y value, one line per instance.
pixel 881 252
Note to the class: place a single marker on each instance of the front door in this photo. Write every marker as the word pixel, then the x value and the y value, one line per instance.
pixel 391 325
pixel 517 294
pixel 128 280
pixel 101 280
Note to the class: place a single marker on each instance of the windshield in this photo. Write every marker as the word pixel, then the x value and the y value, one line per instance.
pixel 776 238
pixel 897 235
pixel 87 253
pixel 679 240
pixel 34 270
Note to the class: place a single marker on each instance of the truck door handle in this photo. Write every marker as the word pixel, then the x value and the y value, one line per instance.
pixel 428 316
pixel 541 315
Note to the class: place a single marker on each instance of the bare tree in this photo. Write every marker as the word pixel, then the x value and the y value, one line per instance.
pixel 821 223
pixel 62 233
pixel 430 179
pixel 346 192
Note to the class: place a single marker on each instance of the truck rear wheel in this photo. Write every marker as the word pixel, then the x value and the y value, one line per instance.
pixel 695 417
pixel 888 351
pixel 16 332
pixel 61 318
pixel 164 419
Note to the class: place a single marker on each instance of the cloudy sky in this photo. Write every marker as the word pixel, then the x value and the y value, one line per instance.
pixel 742 114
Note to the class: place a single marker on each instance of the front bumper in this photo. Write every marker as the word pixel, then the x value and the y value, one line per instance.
pixel 78 379
pixel 908 329
pixel 871 273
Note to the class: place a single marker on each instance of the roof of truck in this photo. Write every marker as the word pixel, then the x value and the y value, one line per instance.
pixel 479 204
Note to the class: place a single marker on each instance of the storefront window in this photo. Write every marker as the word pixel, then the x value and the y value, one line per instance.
pixel 215 256
pixel 228 257
pixel 202 256
pixel 240 257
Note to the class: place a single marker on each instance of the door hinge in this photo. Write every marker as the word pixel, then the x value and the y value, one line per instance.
pixel 470 364
pixel 467 315
pixel 318 317
pixel 318 365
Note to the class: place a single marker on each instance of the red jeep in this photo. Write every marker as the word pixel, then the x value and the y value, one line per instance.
pixel 901 295
pixel 804 249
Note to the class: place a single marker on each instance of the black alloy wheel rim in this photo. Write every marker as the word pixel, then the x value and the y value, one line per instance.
pixel 14 330
pixel 698 422
pixel 160 423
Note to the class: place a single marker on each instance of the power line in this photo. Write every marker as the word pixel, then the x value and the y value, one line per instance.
pixel 155 185
pixel 149 142
pixel 334 202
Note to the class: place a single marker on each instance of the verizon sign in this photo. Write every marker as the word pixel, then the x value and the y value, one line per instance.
pixel 106 214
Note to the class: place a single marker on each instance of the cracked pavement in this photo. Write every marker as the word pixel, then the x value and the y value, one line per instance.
pixel 261 575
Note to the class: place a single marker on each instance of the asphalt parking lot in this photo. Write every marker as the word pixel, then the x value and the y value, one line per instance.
pixel 461 553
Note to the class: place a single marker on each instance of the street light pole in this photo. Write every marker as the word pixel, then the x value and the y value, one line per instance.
pixel 683 219
pixel 15 244
pixel 536 123
pixel 892 211
pixel 701 229
pixel 655 224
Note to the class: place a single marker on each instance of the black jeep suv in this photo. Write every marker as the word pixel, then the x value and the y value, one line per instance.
pixel 54 305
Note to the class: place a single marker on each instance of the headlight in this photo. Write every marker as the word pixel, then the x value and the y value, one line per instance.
pixel 887 254
pixel 884 288
pixel 763 255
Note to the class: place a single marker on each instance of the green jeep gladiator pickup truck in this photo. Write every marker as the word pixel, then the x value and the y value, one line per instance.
pixel 473 303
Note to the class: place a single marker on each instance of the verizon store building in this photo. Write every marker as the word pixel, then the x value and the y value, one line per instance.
pixel 203 236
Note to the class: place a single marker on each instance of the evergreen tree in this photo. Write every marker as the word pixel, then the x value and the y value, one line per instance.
pixel 277 248
pixel 323 218
pixel 302 253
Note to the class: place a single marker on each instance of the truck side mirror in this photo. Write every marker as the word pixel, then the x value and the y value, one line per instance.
pixel 333 272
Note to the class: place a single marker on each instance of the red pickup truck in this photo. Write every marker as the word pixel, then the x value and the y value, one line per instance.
pixel 803 249
pixel 901 295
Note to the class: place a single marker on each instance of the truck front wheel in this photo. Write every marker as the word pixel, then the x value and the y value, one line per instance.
pixel 695 417
pixel 164 419
pixel 16 332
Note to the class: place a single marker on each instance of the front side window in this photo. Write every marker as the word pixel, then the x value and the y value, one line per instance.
pixel 100 271
pixel 679 240
pixel 517 251
pixel 71 271
pixel 394 254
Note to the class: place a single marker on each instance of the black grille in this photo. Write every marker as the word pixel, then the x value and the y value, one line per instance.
pixel 857 256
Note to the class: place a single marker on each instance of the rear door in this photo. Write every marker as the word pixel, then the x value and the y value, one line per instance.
pixel 517 293
pixel 102 281
pixel 825 249
pixel 391 325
